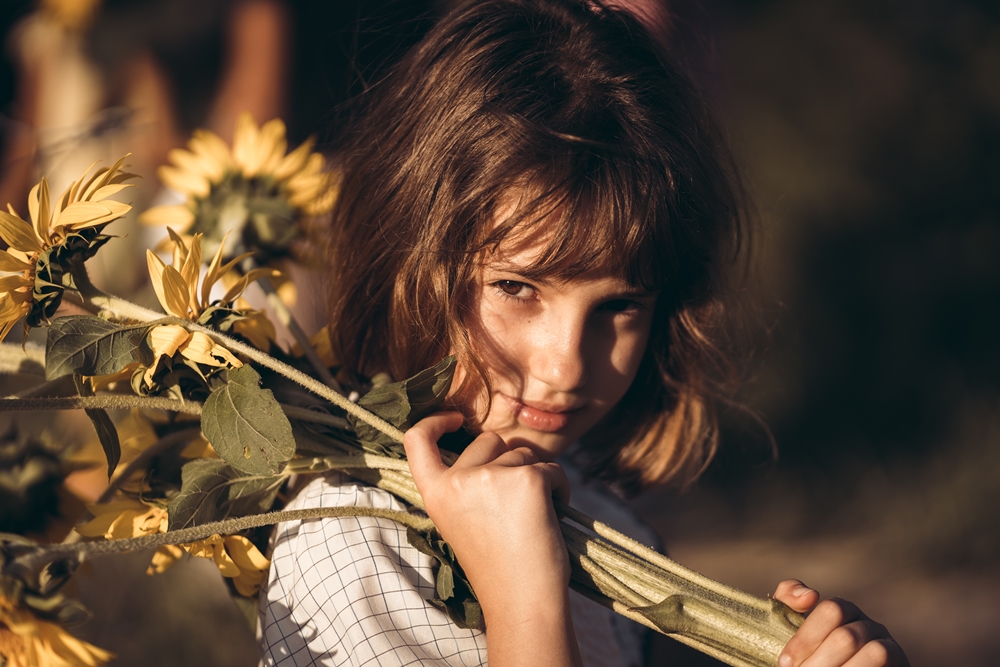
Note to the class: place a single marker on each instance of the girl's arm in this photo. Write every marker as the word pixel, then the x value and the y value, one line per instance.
pixel 494 507
pixel 835 633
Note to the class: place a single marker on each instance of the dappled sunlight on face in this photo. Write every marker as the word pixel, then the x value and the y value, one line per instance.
pixel 560 353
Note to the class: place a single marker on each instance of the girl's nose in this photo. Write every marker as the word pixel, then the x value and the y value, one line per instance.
pixel 558 359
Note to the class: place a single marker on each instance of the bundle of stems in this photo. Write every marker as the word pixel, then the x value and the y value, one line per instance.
pixel 608 567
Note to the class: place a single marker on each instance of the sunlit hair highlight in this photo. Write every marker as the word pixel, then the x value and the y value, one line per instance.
pixel 572 109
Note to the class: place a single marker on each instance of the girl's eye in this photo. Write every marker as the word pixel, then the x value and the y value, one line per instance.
pixel 621 305
pixel 514 289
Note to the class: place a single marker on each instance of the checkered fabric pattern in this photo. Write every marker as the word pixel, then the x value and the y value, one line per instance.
pixel 352 591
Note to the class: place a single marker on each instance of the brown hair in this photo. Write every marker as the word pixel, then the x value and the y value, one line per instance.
pixel 574 102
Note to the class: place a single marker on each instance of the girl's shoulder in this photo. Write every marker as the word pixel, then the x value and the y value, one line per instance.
pixel 353 589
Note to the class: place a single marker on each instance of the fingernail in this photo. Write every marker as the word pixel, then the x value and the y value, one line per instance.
pixel 785 661
pixel 799 592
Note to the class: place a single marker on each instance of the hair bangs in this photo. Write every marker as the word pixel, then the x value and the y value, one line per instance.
pixel 600 217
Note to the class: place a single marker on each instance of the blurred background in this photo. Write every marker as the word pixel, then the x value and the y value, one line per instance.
pixel 870 135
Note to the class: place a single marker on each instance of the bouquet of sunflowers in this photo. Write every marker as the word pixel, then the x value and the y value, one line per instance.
pixel 219 417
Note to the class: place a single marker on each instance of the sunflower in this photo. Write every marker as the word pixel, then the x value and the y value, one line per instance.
pixel 47 254
pixel 236 556
pixel 27 640
pixel 254 189
pixel 177 289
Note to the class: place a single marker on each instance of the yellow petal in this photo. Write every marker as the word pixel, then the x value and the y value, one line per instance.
pixel 245 554
pixel 105 514
pixel 18 234
pixel 164 557
pixel 211 275
pixel 103 177
pixel 123 526
pixel 180 248
pixel 156 266
pixel 191 269
pixel 11 283
pixel 222 559
pixel 248 583
pixel 186 182
pixel 82 212
pixel 179 217
pixel 176 292
pixel 166 339
pixel 115 210
pixel 74 189
pixel 39 210
pixel 256 328
pixel 236 290
pixel 211 147
pixel 294 161
pixel 9 262
pixel 199 348
pixel 110 191
pixel 271 146
pixel 244 140
pixel 220 272
pixel 198 164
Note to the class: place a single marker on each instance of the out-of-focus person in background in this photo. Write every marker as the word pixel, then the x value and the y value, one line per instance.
pixel 96 78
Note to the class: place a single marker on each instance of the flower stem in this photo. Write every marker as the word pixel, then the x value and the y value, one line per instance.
pixel 286 318
pixel 125 309
pixel 107 401
pixel 48 553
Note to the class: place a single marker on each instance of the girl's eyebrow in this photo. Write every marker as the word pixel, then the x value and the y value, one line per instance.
pixel 546 279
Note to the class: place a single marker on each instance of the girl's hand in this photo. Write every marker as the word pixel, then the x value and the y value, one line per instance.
pixel 835 633
pixel 494 507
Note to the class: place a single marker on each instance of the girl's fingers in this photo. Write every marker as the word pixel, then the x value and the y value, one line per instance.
pixel 420 442
pixel 796 595
pixel 485 448
pixel 850 644
pixel 557 480
pixel 879 653
pixel 826 618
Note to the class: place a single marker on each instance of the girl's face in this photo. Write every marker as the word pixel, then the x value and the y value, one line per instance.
pixel 560 353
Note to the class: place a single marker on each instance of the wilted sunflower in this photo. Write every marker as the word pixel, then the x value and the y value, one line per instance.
pixel 47 254
pixel 177 289
pixel 255 189
pixel 236 556
pixel 33 613
pixel 29 641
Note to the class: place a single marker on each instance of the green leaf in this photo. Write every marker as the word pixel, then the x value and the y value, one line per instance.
pixel 247 426
pixel 88 345
pixel 454 596
pixel 403 404
pixel 212 490
pixel 106 431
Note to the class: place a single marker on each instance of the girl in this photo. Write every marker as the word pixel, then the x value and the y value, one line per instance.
pixel 535 190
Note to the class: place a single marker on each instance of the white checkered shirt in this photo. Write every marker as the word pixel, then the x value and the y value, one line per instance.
pixel 352 591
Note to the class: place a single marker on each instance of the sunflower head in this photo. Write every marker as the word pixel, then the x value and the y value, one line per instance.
pixel 33 612
pixel 253 189
pixel 184 363
pixel 47 252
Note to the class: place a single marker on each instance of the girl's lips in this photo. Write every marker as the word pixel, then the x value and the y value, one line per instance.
pixel 538 419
